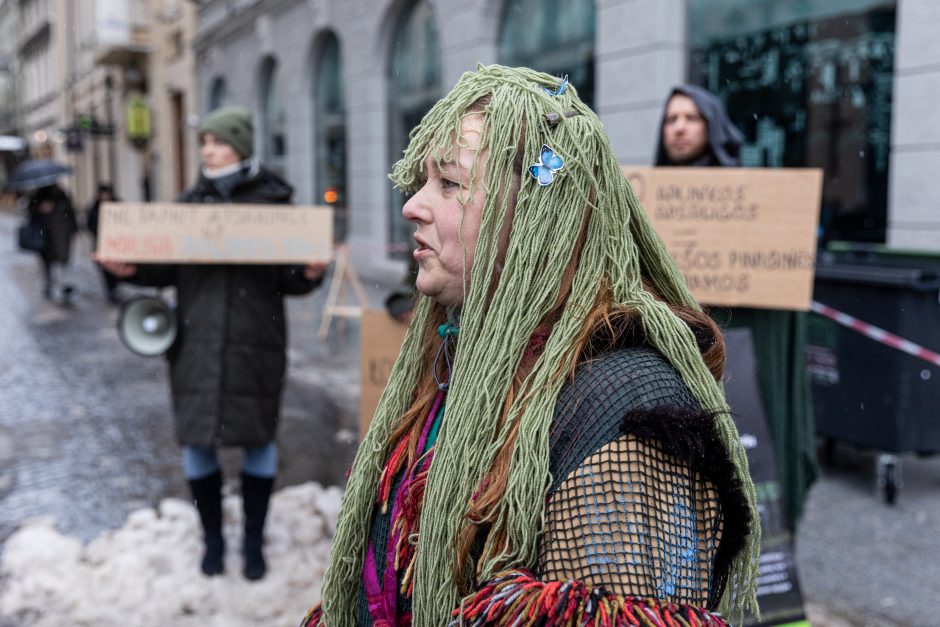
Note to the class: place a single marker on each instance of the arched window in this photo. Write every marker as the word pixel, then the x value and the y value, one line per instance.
pixel 330 129
pixel 218 95
pixel 553 36
pixel 414 85
pixel 273 118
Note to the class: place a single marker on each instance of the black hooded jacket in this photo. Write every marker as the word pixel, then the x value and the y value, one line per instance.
pixel 59 224
pixel 228 364
pixel 724 138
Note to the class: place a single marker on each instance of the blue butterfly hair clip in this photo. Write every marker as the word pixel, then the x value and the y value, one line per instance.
pixel 549 163
pixel 561 88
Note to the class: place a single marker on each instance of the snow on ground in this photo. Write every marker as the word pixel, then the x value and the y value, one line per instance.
pixel 147 572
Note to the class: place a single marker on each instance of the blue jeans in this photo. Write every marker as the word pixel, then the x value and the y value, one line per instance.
pixel 202 461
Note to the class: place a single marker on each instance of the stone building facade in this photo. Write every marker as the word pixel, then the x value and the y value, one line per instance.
pixel 853 98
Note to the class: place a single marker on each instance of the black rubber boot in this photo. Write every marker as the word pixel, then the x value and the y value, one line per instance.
pixel 256 492
pixel 207 494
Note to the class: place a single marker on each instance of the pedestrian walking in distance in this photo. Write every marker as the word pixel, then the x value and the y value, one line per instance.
pixel 52 208
pixel 228 364
pixel 553 446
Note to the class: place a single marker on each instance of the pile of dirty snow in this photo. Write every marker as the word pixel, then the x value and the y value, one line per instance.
pixel 147 572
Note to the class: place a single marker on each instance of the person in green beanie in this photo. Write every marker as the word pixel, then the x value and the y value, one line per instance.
pixel 231 126
pixel 228 364
pixel 553 445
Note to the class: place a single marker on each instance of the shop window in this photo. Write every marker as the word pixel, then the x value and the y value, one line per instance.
pixel 218 95
pixel 273 118
pixel 414 85
pixel 330 129
pixel 810 85
pixel 552 36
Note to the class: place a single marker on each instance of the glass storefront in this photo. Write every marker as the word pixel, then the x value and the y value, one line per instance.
pixel 330 129
pixel 273 118
pixel 809 83
pixel 414 85
pixel 552 36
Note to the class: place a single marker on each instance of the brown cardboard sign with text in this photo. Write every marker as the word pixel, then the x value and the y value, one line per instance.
pixel 741 236
pixel 214 233
pixel 380 338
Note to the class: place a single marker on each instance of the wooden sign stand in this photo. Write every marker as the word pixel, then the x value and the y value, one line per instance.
pixel 344 272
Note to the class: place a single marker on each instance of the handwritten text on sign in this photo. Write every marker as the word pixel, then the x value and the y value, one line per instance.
pixel 214 233
pixel 741 236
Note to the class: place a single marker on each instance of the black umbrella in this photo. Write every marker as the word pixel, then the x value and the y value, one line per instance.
pixel 36 173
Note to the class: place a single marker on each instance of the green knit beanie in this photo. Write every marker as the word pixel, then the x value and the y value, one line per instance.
pixel 233 126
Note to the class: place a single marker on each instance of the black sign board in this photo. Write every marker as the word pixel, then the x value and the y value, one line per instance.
pixel 778 591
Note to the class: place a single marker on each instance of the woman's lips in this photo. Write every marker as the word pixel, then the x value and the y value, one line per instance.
pixel 422 251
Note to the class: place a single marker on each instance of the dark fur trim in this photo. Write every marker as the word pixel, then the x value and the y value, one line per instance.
pixel 691 436
pixel 627 330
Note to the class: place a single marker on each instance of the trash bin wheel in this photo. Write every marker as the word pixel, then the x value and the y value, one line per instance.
pixel 891 486
pixel 828 451
pixel 889 477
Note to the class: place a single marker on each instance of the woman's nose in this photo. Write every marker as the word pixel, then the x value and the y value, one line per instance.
pixel 415 209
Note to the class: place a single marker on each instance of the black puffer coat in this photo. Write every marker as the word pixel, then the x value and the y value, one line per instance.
pixel 228 364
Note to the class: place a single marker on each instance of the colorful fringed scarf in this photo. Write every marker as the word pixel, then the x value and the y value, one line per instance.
pixel 518 598
pixel 406 502
pixel 576 201
pixel 406 509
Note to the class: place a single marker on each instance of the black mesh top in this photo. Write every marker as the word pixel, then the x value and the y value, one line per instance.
pixel 643 499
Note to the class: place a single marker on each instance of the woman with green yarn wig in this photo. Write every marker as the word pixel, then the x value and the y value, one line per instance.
pixel 553 446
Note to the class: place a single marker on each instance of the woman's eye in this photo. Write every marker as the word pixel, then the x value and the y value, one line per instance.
pixel 449 184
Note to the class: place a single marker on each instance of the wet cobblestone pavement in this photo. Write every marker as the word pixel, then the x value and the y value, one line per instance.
pixel 85 426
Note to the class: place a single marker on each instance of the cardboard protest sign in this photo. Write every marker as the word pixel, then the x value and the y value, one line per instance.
pixel 380 338
pixel 741 236
pixel 214 233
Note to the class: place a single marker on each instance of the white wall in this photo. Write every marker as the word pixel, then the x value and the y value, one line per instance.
pixel 641 54
pixel 914 194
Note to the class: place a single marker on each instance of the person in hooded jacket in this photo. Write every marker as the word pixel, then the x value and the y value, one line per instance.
pixel 51 207
pixel 696 131
pixel 228 364
pixel 105 194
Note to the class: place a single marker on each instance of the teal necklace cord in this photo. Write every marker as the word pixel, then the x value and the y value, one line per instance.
pixel 447 331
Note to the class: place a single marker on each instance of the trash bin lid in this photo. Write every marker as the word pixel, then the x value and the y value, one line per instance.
pixel 915 278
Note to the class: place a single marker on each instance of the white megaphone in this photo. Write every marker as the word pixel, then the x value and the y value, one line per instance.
pixel 147 325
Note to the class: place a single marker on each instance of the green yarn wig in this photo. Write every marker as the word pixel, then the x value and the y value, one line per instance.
pixel 501 309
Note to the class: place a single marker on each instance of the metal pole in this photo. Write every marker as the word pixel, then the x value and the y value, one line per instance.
pixel 93 140
pixel 112 139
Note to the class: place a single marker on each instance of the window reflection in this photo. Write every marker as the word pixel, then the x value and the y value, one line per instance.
pixel 273 118
pixel 330 128
pixel 218 95
pixel 552 36
pixel 810 85
pixel 414 85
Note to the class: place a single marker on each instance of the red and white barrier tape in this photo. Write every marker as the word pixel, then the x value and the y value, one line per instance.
pixel 876 333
